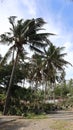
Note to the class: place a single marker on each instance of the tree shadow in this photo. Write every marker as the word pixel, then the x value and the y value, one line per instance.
pixel 14 125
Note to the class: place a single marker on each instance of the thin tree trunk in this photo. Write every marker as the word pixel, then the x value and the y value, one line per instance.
pixel 45 91
pixel 9 88
pixel 54 85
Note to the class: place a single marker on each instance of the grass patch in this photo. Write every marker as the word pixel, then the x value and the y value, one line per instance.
pixel 34 116
pixel 0 113
pixel 62 125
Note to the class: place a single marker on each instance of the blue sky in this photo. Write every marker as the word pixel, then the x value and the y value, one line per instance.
pixel 57 13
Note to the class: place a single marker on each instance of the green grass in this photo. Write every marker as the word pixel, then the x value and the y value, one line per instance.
pixel 34 116
pixel 0 113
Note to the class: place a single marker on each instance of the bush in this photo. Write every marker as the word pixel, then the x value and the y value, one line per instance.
pixel 2 101
pixel 49 107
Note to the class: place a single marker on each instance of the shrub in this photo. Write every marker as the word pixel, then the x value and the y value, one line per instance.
pixel 2 101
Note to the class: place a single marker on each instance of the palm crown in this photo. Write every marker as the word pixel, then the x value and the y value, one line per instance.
pixel 53 61
pixel 25 33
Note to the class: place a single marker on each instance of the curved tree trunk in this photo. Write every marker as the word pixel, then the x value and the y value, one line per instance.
pixel 9 87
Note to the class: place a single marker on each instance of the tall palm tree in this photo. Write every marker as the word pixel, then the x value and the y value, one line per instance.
pixel 22 33
pixel 54 61
pixel 36 69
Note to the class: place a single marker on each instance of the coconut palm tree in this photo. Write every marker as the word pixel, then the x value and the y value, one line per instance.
pixel 54 61
pixel 36 69
pixel 22 33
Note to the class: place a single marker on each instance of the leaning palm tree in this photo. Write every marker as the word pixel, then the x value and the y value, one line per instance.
pixel 22 33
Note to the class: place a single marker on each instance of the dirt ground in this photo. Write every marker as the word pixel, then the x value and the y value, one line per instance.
pixel 60 121
pixel 27 124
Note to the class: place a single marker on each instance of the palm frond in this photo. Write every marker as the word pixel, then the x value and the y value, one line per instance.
pixel 61 48
pixel 39 22
pixel 39 29
pixel 37 37
pixel 64 62
pixel 12 20
pixel 5 38
pixel 45 34
pixel 26 27
pixel 23 54
pixel 36 49
pixel 62 55
pixel 48 41
pixel 39 44
pixel 7 55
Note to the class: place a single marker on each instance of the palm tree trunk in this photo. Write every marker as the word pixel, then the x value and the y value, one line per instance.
pixel 9 88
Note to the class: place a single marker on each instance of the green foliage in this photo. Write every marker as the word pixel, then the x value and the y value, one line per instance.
pixel 61 90
pixel 5 72
pixel 34 116
pixel 24 101
pixel 2 101
pixel 69 101
pixel 49 107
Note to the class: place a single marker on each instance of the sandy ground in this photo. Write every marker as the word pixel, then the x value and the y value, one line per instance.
pixel 27 124
pixel 18 123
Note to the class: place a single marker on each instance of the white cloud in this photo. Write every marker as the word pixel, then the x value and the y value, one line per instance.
pixel 8 8
pixel 31 5
pixel 67 46
pixel 12 8
pixel 69 69
pixel 63 37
